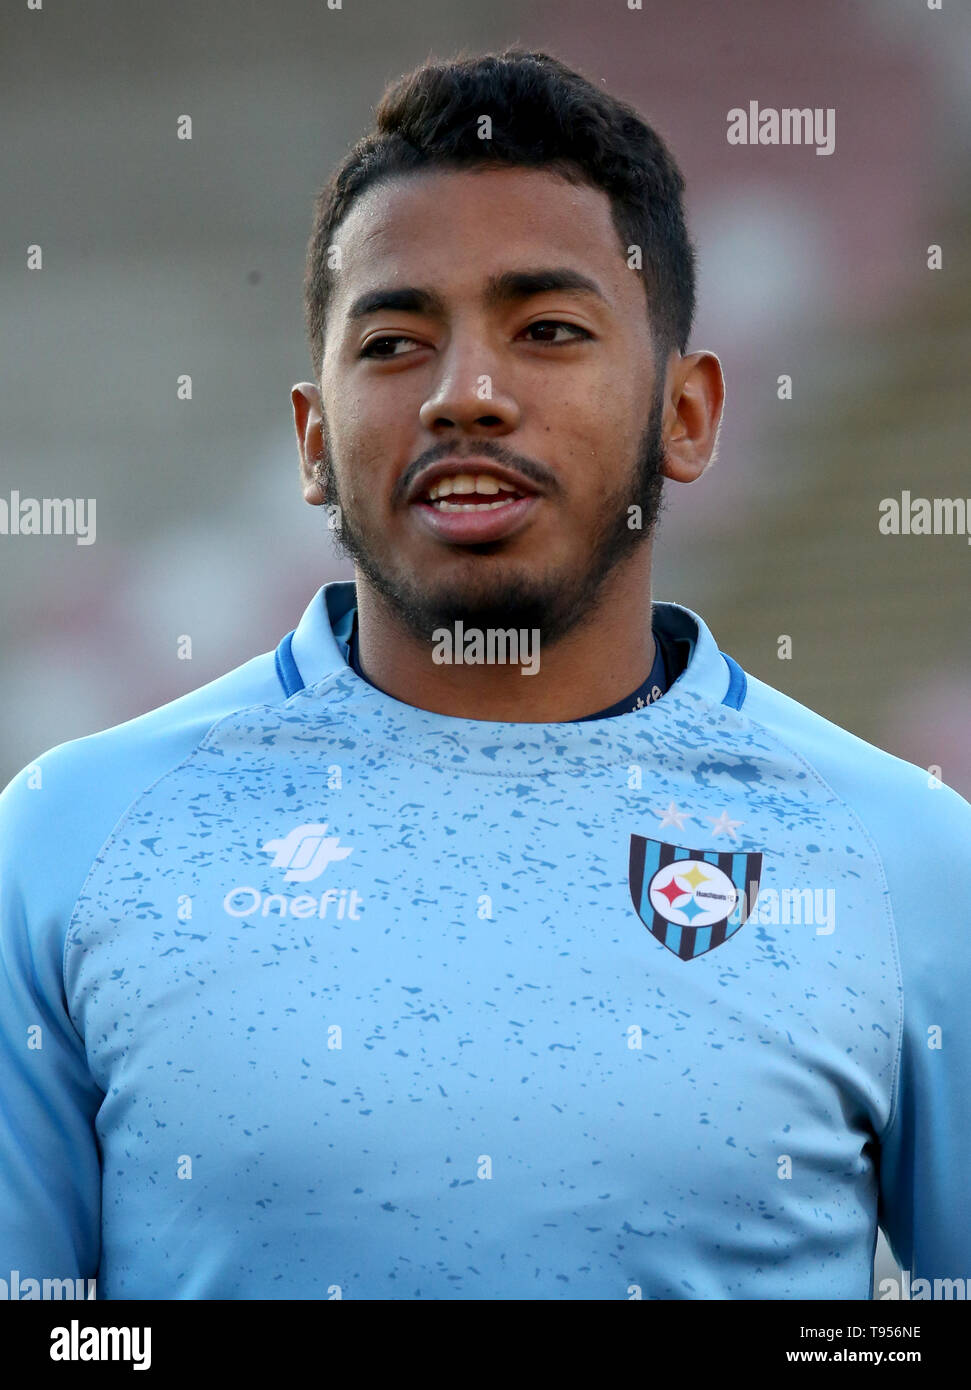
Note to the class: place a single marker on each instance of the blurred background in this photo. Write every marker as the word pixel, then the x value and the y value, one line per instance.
pixel 164 257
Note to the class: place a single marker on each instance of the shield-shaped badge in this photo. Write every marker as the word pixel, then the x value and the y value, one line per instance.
pixel 692 900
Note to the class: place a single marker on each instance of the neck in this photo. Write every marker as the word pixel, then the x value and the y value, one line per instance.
pixel 594 665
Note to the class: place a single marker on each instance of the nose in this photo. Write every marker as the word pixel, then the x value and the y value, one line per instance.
pixel 469 393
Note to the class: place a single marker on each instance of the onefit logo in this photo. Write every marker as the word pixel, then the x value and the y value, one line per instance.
pixel 305 852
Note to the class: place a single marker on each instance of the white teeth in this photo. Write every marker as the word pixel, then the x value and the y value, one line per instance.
pixel 483 483
pixel 442 506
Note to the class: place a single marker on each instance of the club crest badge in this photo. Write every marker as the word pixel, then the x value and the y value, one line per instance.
pixel 691 900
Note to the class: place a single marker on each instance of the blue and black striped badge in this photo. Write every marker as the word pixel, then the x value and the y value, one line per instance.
pixel 692 900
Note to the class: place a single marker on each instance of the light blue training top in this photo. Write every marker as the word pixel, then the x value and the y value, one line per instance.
pixel 309 993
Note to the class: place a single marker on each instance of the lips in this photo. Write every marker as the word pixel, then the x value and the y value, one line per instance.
pixel 477 526
pixel 456 519
pixel 453 467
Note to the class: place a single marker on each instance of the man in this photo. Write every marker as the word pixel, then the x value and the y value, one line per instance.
pixel 496 937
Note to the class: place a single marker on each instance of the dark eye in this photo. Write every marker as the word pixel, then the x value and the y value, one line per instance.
pixel 395 338
pixel 554 324
pixel 391 339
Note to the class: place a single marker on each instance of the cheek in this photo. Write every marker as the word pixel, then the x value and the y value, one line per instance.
pixel 594 465
pixel 587 421
pixel 369 477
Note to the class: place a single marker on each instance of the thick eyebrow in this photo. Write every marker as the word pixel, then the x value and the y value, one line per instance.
pixel 510 287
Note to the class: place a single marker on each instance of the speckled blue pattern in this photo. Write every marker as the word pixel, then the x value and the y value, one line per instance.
pixel 452 1063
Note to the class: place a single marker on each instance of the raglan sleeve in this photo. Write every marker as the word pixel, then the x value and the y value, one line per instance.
pixel 50 1174
pixel 925 1154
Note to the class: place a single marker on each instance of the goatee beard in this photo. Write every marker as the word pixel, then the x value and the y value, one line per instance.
pixel 553 603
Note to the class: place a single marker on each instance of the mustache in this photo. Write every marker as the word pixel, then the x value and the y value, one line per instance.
pixel 481 448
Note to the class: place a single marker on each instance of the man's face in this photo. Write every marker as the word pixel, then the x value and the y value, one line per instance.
pixel 558 386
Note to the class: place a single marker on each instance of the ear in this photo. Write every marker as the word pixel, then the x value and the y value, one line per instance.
pixel 692 416
pixel 307 418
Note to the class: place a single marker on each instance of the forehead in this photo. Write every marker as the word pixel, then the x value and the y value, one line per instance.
pixel 453 229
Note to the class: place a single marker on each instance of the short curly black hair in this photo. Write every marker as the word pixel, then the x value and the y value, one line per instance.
pixel 544 115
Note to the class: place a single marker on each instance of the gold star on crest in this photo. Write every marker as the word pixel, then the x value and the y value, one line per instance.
pixel 695 876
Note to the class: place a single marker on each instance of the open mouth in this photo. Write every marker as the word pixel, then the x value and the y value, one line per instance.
pixel 468 492
pixel 473 509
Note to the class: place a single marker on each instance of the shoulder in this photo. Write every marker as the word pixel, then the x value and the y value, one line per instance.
pixel 904 808
pixel 57 812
